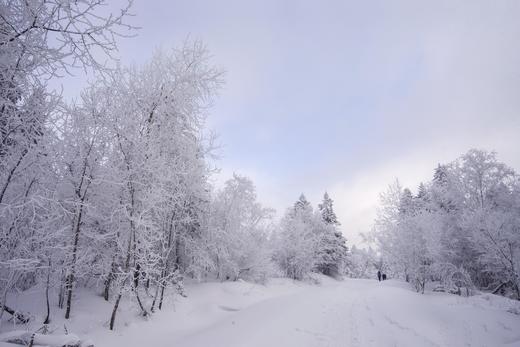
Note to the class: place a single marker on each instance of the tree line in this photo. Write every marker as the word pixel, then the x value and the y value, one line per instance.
pixel 461 229
pixel 112 191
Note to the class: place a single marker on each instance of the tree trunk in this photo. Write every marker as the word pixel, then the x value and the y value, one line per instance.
pixel 31 342
pixel 47 318
pixel 17 315
pixel 152 308
pixel 141 306
pixel 108 281
pixel 162 296
pixel 517 290
pixel 497 289
pixel 11 173
pixel 137 272
pixel 166 258
pixel 127 268
pixel 76 229
pixel 114 310
pixel 68 286
pixel 71 275
pixel 177 252
pixel 106 292
pixel 61 294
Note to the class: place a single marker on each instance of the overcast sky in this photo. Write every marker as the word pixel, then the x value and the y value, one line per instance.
pixel 346 96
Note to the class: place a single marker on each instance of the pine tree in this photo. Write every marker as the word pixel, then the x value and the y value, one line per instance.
pixel 423 198
pixel 422 192
pixel 442 190
pixel 440 175
pixel 302 204
pixel 406 203
pixel 327 211
pixel 333 251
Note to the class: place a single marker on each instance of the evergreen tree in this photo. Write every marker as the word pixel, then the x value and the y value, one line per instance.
pixel 422 192
pixel 442 189
pixel 333 251
pixel 327 211
pixel 302 204
pixel 406 203
pixel 423 198
pixel 440 175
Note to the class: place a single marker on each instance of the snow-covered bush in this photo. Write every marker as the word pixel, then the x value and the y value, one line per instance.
pixel 452 279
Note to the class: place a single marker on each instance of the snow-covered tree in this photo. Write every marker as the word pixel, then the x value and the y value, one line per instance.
pixel 306 242
pixel 297 241
pixel 463 224
pixel 362 263
pixel 332 251
pixel 158 157
pixel 327 210
pixel 238 232
pixel 83 147
pixel 40 41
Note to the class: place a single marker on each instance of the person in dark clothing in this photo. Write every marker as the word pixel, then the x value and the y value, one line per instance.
pixel 384 277
pixel 379 275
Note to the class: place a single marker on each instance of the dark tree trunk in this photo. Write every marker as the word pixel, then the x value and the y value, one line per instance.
pixel 114 311
pixel 517 290
pixel 162 296
pixel 61 294
pixel 106 292
pixel 108 281
pixel 137 272
pixel 48 317
pixel 17 315
pixel 127 268
pixel 164 273
pixel 72 274
pixel 10 176
pixel 69 282
pixel 152 308
pixel 81 194
pixel 68 286
pixel 141 306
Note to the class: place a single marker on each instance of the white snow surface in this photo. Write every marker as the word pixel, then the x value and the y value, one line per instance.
pixel 287 313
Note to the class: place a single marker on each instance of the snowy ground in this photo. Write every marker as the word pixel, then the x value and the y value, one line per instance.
pixel 285 313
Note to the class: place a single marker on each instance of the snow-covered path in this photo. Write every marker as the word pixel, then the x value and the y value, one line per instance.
pixel 347 313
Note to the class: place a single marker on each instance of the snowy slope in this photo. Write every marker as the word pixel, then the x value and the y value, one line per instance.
pixel 334 313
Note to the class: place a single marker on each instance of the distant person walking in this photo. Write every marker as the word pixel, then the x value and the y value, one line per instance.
pixel 379 275
pixel 384 277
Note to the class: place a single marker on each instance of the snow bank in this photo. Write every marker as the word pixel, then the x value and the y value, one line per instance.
pixel 20 337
